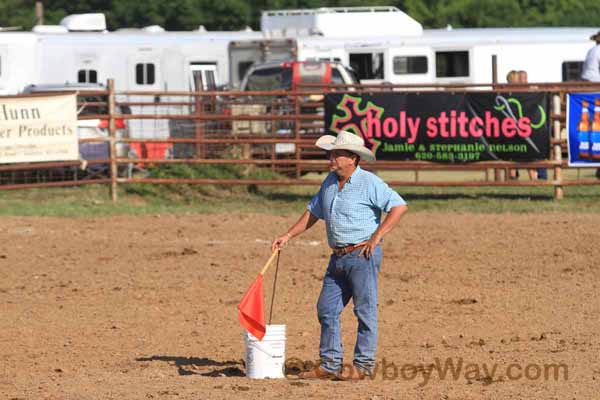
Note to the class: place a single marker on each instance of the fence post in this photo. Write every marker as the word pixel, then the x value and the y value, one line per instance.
pixel 199 124
pixel 39 13
pixel 498 174
pixel 297 133
pixel 494 68
pixel 558 189
pixel 112 132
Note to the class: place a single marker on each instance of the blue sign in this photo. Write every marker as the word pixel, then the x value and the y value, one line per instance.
pixel 583 129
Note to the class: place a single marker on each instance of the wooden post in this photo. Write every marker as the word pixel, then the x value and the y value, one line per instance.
pixel 497 174
pixel 497 171
pixel 39 13
pixel 297 133
pixel 112 132
pixel 265 50
pixel 494 68
pixel 558 189
pixel 273 134
pixel 199 124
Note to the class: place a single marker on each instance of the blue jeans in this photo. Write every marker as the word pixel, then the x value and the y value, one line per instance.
pixel 349 276
pixel 542 173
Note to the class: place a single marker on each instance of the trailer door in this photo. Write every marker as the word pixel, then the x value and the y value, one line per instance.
pixel 144 74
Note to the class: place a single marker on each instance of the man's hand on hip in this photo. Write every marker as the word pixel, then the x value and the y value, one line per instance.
pixel 369 246
pixel 390 221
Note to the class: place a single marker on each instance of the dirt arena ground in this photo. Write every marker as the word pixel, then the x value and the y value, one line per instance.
pixel 145 307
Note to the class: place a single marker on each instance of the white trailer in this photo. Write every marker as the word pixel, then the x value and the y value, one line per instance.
pixel 18 60
pixel 458 56
pixel 138 59
pixel 382 44
pixel 148 59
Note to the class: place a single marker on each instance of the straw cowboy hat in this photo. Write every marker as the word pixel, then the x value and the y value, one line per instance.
pixel 595 36
pixel 346 141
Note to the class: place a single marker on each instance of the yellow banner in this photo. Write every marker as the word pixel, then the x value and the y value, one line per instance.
pixel 38 128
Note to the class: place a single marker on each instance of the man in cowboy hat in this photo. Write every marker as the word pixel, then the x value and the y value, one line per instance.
pixel 591 65
pixel 350 201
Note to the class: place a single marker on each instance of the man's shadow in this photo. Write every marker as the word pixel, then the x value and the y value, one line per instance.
pixel 189 365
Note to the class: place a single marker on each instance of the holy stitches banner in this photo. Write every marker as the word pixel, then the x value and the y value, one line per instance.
pixel 445 127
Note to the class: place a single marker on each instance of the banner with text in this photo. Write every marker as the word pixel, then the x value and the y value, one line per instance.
pixel 38 128
pixel 583 129
pixel 445 127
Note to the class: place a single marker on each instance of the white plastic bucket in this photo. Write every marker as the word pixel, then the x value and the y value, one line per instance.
pixel 266 358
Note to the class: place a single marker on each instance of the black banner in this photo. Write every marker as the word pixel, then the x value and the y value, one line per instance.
pixel 445 127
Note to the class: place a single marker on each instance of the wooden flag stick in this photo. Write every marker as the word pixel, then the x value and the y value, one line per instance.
pixel 269 261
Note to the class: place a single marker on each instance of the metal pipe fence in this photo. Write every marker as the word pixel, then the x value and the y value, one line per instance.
pixel 255 131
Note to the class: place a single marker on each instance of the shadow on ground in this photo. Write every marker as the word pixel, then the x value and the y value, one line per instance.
pixel 200 365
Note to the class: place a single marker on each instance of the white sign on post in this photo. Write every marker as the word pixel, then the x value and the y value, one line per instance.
pixel 38 128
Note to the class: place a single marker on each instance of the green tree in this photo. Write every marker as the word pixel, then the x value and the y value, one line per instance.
pixel 17 13
pixel 236 14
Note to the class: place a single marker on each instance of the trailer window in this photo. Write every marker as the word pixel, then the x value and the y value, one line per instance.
pixel 451 64
pixel 144 74
pixel 243 67
pixel 276 78
pixel 203 76
pixel 405 65
pixel 87 76
pixel 336 76
pixel 197 83
pixel 571 70
pixel 367 65
pixel 211 83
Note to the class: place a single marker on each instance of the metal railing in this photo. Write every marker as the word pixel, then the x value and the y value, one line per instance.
pixel 273 130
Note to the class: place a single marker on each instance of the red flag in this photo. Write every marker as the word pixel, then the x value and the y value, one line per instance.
pixel 251 309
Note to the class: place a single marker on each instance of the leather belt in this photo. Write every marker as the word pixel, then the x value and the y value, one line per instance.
pixel 340 251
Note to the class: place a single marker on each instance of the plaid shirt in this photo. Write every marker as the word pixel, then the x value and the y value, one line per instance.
pixel 353 214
